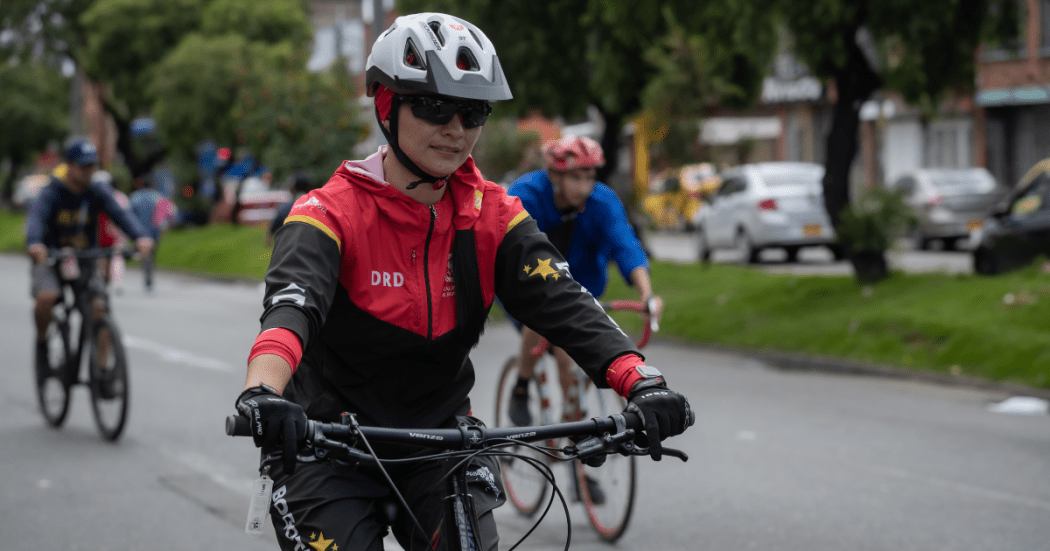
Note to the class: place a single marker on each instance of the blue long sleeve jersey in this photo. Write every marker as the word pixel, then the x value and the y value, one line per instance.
pixel 60 218
pixel 601 231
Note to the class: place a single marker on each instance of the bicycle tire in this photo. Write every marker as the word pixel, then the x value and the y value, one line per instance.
pixel 53 385
pixel 526 487
pixel 616 476
pixel 108 379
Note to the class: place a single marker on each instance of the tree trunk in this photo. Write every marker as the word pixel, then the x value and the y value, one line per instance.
pixel 855 82
pixel 138 167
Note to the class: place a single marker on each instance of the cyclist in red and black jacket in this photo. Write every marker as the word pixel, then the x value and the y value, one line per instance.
pixel 379 286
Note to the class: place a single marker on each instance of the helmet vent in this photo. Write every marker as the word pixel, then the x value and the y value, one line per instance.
pixel 412 57
pixel 480 45
pixel 436 27
pixel 465 60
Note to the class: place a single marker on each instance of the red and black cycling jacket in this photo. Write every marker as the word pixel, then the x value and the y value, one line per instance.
pixel 364 276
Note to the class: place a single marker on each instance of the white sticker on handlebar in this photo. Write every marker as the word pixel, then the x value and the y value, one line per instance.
pixel 259 506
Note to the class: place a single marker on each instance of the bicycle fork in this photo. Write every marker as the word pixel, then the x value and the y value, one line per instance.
pixel 461 519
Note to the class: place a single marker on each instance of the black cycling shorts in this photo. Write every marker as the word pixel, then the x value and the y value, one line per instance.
pixel 325 504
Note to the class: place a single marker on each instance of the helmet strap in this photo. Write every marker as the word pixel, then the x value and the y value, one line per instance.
pixel 392 140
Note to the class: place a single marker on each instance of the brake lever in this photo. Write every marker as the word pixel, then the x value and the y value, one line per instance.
pixel 629 448
pixel 650 307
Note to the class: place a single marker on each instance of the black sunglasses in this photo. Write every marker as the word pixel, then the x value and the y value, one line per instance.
pixel 440 110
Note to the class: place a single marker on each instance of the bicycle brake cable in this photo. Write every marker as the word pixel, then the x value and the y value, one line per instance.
pixel 393 487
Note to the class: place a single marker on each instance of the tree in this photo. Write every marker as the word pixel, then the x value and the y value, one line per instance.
pixel 299 120
pixel 562 55
pixel 128 42
pixel 919 49
pixel 34 111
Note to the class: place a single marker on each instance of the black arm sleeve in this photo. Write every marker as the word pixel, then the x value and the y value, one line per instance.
pixel 301 281
pixel 534 285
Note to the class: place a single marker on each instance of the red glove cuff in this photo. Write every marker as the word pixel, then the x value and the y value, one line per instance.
pixel 280 341
pixel 622 374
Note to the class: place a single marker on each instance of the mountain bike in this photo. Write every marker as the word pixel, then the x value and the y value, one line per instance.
pixel 82 350
pixel 606 436
pixel 607 493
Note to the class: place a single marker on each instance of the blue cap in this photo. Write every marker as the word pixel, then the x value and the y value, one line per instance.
pixel 82 152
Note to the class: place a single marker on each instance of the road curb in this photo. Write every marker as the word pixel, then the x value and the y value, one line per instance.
pixel 795 361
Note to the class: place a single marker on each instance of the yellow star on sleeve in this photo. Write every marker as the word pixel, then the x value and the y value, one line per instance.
pixel 544 269
pixel 321 544
pixel 527 268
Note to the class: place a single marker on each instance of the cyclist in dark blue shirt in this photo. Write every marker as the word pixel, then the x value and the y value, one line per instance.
pixel 65 214
pixel 586 222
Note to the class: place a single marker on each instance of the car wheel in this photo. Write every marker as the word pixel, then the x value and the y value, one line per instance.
pixel 748 252
pixel 837 252
pixel 984 262
pixel 703 250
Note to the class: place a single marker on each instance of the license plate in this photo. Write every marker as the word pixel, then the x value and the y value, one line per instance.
pixel 974 225
pixel 812 230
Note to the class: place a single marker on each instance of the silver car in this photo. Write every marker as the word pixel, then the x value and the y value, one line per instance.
pixel 766 205
pixel 948 203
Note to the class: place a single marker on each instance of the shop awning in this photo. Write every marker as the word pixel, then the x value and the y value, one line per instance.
pixel 1012 96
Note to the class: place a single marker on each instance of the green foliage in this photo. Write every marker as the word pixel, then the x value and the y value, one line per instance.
pixel 298 120
pixel 127 38
pixel 197 86
pixel 875 220
pixel 42 29
pixel 503 152
pixel 34 108
pixel 267 21
pixel 920 49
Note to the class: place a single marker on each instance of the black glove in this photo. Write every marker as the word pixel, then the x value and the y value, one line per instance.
pixel 276 423
pixel 664 412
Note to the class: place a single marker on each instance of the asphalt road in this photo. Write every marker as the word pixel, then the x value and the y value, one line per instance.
pixel 682 247
pixel 780 460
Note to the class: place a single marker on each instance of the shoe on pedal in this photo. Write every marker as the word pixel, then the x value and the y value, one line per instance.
pixel 594 489
pixel 109 387
pixel 518 411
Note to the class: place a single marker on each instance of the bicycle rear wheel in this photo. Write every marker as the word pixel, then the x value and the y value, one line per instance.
pixel 52 382
pixel 109 378
pixel 526 486
pixel 610 510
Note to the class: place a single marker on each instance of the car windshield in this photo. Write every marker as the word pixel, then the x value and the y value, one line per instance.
pixel 961 183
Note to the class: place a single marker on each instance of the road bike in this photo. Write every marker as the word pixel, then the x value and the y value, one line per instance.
pixel 607 494
pixel 606 436
pixel 83 349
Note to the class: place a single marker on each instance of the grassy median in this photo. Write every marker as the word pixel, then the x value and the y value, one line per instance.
pixel 997 328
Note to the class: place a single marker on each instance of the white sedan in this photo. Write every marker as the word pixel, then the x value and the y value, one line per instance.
pixel 766 205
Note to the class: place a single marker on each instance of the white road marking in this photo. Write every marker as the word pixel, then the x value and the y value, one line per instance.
pixel 1021 405
pixel 177 356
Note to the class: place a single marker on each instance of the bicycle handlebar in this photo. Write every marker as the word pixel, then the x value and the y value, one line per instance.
pixel 94 253
pixel 608 431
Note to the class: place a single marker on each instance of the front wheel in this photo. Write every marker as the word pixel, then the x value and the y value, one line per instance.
pixel 52 380
pixel 526 486
pixel 109 378
pixel 607 491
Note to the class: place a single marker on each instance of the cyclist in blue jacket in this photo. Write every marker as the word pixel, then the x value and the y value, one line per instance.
pixel 587 223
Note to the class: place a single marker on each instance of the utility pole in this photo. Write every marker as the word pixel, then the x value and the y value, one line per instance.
pixel 378 18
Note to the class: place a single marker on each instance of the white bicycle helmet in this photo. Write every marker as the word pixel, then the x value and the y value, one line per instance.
pixel 437 54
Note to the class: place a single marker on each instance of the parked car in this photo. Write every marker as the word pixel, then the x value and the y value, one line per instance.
pixel 948 203
pixel 1018 229
pixel 766 205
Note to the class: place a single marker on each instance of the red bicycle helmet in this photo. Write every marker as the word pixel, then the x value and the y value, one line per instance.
pixel 572 152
